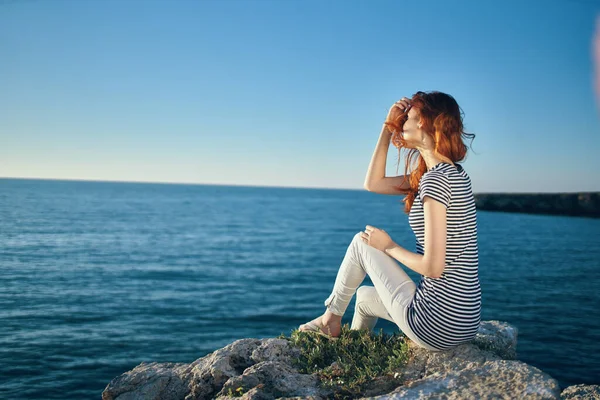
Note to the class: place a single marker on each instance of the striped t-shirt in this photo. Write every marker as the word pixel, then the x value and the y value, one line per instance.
pixel 446 311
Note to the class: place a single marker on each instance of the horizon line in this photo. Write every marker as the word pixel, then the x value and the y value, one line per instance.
pixel 255 186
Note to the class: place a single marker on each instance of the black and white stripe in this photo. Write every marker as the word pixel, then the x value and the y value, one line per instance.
pixel 446 311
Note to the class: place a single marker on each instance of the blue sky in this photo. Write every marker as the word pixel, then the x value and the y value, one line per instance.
pixel 292 93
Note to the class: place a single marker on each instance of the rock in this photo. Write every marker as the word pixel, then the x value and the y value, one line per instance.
pixel 495 340
pixel 499 338
pixel 149 381
pixel 490 380
pixel 581 392
pixel 245 363
pixel 261 369
pixel 200 379
pixel 278 379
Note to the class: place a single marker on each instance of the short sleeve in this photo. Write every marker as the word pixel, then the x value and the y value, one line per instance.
pixel 436 185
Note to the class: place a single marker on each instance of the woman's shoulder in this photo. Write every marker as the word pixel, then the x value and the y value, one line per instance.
pixel 453 174
pixel 441 174
pixel 445 178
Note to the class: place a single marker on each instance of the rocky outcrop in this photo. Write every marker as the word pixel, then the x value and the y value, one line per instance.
pixel 262 369
pixel 585 204
pixel 581 392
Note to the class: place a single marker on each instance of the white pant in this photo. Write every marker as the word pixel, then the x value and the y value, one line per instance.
pixel 389 298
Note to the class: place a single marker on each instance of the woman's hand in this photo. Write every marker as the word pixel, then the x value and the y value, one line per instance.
pixel 396 115
pixel 377 238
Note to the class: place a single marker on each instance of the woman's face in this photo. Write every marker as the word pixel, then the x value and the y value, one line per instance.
pixel 412 133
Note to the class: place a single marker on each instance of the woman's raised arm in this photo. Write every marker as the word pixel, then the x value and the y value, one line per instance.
pixel 376 181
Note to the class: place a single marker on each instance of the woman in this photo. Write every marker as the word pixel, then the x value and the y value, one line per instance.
pixel 445 309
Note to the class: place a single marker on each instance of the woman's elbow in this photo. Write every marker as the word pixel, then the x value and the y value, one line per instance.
pixel 436 270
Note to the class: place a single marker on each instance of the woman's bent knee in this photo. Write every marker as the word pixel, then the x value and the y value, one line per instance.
pixel 363 291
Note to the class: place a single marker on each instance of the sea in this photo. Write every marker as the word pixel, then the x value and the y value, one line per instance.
pixel 97 277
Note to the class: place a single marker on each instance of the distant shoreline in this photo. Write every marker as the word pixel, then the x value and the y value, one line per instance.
pixel 583 204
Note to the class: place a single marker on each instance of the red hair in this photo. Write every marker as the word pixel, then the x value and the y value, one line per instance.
pixel 441 118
